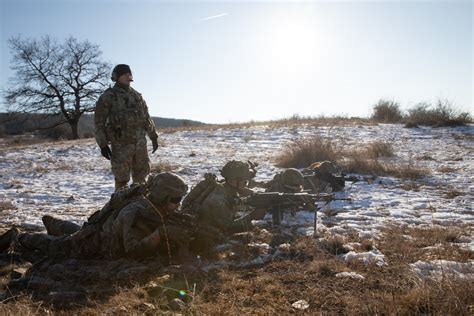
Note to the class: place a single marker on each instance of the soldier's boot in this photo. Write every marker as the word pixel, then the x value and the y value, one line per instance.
pixel 120 184
pixel 35 241
pixel 7 238
pixel 58 227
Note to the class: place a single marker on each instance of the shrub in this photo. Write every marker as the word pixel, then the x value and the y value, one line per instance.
pixel 387 112
pixel 444 113
pixel 357 162
pixel 406 171
pixel 379 148
pixel 303 152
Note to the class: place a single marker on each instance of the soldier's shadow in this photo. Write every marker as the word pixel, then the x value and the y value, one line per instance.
pixel 75 283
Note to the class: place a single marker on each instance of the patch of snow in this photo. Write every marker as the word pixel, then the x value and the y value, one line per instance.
pixel 366 257
pixel 301 305
pixel 262 248
pixel 351 275
pixel 437 269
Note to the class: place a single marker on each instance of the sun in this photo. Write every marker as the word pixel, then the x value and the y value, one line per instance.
pixel 293 43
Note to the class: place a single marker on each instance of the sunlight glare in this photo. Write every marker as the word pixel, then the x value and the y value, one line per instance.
pixel 293 43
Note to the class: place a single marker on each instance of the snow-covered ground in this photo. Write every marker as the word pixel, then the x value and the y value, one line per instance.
pixel 71 180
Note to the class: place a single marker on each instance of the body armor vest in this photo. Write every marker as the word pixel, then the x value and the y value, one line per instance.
pixel 126 120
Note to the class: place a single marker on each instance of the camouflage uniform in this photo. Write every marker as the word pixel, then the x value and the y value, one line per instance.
pixel 219 209
pixel 319 177
pixel 289 181
pixel 122 119
pixel 129 232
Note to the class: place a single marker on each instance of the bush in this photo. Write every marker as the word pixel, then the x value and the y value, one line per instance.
pixel 359 163
pixel 387 112
pixel 303 152
pixel 444 113
pixel 378 149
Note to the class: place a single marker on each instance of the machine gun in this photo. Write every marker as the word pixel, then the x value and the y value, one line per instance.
pixel 193 228
pixel 277 202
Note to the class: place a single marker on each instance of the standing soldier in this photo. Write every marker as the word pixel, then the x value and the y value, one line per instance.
pixel 122 120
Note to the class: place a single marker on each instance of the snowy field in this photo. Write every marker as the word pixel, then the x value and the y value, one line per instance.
pixel 71 180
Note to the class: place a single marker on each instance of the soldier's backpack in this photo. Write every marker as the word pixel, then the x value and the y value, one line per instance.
pixel 199 193
pixel 117 201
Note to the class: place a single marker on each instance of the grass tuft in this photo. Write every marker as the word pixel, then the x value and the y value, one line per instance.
pixel 303 152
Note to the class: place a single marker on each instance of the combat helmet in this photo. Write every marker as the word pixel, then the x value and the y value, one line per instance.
pixel 164 186
pixel 119 70
pixel 292 177
pixel 237 170
pixel 323 167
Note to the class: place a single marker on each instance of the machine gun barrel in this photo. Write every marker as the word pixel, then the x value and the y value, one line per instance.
pixel 278 199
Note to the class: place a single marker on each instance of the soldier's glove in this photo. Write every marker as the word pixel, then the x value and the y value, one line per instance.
pixel 105 151
pixel 154 141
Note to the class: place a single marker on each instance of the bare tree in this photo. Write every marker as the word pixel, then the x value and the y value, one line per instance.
pixel 59 79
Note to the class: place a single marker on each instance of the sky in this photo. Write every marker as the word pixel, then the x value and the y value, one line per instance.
pixel 235 61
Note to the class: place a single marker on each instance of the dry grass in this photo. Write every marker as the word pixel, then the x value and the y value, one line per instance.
pixel 442 113
pixel 162 167
pixel 410 186
pixel 309 273
pixel 425 157
pixel 294 120
pixel 303 152
pixel 7 205
pixel 22 140
pixel 406 171
pixel 357 162
pixel 452 193
pixel 387 111
pixel 378 149
pixel 447 170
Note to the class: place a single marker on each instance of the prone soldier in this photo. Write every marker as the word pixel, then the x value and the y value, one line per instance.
pixel 217 203
pixel 137 227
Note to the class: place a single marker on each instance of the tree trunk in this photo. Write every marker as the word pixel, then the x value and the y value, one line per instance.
pixel 74 125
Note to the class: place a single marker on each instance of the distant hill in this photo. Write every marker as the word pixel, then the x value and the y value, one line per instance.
pixel 44 125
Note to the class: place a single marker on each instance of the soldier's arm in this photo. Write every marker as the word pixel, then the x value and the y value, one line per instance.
pixel 137 241
pixel 100 118
pixel 149 124
pixel 216 212
pixel 221 215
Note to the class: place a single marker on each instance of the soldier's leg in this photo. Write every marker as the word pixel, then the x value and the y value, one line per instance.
pixel 58 227
pixel 122 157
pixel 35 241
pixel 7 238
pixel 140 163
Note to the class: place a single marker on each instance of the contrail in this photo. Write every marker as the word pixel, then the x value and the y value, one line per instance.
pixel 214 16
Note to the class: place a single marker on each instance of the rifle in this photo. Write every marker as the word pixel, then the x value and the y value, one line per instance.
pixel 192 227
pixel 277 202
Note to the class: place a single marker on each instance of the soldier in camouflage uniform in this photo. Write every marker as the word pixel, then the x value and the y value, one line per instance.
pixel 136 230
pixel 319 177
pixel 122 120
pixel 289 181
pixel 219 209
